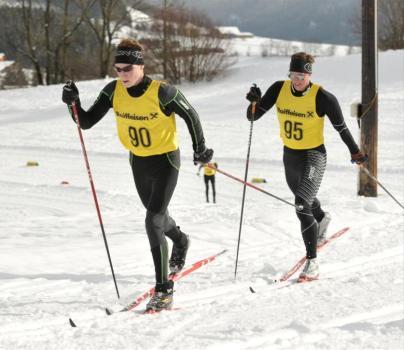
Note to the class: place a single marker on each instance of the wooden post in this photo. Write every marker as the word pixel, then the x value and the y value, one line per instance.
pixel 165 39
pixel 369 119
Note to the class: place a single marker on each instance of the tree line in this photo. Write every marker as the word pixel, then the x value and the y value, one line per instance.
pixel 75 39
pixel 390 24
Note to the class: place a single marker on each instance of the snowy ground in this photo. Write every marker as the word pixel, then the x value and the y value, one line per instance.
pixel 53 262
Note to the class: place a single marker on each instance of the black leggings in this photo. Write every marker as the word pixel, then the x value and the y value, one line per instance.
pixel 210 178
pixel 155 179
pixel 304 171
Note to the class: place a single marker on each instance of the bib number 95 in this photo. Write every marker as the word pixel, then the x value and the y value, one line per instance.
pixel 293 130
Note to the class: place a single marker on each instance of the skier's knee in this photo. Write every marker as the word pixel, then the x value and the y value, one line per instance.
pixel 303 209
pixel 154 228
pixel 154 220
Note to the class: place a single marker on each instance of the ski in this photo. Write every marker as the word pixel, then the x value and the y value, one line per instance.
pixel 145 295
pixel 286 276
pixel 153 312
pixel 301 262
pixel 174 277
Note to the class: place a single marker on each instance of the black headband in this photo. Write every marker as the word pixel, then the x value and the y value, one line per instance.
pixel 129 55
pixel 300 65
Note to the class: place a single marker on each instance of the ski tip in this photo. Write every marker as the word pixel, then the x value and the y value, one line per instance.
pixel 252 290
pixel 109 312
pixel 72 323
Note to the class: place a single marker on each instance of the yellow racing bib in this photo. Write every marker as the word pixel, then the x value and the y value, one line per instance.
pixel 300 126
pixel 142 126
pixel 209 171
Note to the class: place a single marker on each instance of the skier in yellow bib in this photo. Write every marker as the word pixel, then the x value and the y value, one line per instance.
pixel 209 176
pixel 145 118
pixel 301 106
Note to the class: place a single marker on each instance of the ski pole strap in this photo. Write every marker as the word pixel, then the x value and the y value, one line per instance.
pixel 297 207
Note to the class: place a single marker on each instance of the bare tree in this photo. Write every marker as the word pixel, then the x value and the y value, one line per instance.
pixel 57 41
pixel 187 45
pixel 164 17
pixel 65 29
pixel 391 24
pixel 32 42
pixel 41 34
pixel 112 15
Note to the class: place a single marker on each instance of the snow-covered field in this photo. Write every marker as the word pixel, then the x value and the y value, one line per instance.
pixel 261 46
pixel 53 262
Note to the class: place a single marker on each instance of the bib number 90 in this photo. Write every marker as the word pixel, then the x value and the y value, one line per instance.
pixel 139 137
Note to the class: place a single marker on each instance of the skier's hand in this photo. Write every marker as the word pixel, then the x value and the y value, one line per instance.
pixel 254 95
pixel 203 157
pixel 70 93
pixel 359 158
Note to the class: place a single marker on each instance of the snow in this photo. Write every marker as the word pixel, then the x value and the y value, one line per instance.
pixel 5 64
pixel 139 17
pixel 262 46
pixel 8 3
pixel 54 265
pixel 233 31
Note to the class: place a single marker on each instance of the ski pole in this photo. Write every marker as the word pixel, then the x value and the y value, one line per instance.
pixel 384 188
pixel 83 147
pixel 245 183
pixel 249 184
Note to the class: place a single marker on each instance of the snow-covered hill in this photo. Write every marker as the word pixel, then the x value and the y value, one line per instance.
pixel 53 263
pixel 243 44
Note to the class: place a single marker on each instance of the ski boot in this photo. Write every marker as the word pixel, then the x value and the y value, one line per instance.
pixel 178 254
pixel 322 227
pixel 310 271
pixel 162 299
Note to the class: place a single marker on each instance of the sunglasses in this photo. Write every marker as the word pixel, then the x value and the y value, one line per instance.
pixel 125 69
pixel 296 76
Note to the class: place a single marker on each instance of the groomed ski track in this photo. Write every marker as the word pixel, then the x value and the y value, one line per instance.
pixel 53 262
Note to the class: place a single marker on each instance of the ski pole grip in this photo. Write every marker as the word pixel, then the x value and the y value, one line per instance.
pixel 75 114
pixel 253 107
pixel 254 104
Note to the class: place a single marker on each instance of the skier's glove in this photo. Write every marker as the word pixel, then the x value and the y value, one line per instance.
pixel 70 93
pixel 359 158
pixel 254 95
pixel 203 157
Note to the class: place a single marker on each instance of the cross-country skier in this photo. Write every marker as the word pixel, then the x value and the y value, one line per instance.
pixel 145 117
pixel 301 106
pixel 209 173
